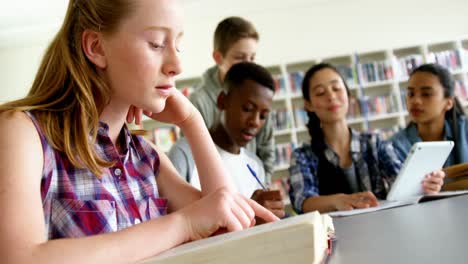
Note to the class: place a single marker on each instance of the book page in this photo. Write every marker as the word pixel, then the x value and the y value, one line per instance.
pixel 385 204
pixel 382 205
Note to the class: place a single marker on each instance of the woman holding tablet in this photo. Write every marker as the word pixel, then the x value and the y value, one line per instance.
pixel 341 169
pixel 435 114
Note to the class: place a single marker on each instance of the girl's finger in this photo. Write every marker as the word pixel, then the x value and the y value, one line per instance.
pixel 138 114
pixel 130 115
pixel 232 223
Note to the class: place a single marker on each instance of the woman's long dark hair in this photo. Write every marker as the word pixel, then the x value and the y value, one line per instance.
pixel 448 85
pixel 315 130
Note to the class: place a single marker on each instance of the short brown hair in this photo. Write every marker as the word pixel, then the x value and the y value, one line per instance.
pixel 230 30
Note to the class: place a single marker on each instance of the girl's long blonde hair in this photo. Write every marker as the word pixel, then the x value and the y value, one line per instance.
pixel 67 95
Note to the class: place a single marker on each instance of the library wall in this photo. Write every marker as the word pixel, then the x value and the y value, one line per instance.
pixel 302 30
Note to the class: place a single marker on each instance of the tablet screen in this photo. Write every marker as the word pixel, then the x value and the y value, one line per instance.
pixel 423 158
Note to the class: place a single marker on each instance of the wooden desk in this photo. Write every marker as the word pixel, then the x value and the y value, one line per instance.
pixel 431 232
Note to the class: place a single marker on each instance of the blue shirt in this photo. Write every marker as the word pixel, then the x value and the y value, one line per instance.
pixel 404 139
pixel 366 149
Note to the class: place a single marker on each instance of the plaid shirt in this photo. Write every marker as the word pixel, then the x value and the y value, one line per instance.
pixel 76 203
pixel 365 149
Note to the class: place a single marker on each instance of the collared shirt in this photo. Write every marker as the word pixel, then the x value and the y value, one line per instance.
pixel 365 150
pixel 405 138
pixel 77 203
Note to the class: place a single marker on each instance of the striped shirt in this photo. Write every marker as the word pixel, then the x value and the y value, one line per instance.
pixel 375 162
pixel 76 203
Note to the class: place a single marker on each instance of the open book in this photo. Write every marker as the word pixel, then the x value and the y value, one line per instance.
pixel 298 239
pixel 386 204
pixel 423 158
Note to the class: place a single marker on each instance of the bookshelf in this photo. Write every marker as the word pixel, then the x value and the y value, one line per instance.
pixel 377 82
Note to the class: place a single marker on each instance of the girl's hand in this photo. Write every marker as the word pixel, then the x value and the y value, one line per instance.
pixel 178 109
pixel 433 182
pixel 220 210
pixel 355 201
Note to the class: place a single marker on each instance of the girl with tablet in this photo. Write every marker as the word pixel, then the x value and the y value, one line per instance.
pixel 435 113
pixel 341 169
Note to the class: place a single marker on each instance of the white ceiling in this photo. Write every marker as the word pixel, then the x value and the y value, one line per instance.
pixel 33 20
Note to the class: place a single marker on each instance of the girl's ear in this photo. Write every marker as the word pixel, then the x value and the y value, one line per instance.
pixel 221 102
pixel 450 103
pixel 91 42
pixel 308 106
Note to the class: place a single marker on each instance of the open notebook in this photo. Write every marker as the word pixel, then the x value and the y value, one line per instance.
pixel 423 158
pixel 298 239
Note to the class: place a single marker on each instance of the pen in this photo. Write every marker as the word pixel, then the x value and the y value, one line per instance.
pixel 255 176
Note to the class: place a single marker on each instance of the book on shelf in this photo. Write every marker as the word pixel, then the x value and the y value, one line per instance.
pixel 403 100
pixel 280 85
pixel 450 59
pixel 407 64
pixel 283 152
pixel 376 71
pixel 347 72
pixel 295 80
pixel 465 56
pixel 379 105
pixel 281 119
pixel 301 116
pixel 302 239
pixel 460 90
pixel 165 137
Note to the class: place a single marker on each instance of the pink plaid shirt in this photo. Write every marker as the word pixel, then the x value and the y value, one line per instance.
pixel 76 203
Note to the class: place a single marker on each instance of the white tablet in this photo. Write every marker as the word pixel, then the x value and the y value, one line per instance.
pixel 423 158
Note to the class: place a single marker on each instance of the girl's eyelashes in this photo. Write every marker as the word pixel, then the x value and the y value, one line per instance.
pixel 157 45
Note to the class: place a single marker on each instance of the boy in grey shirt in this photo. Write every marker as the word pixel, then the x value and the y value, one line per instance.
pixel 235 40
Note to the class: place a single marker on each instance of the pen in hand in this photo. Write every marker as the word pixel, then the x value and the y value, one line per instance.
pixel 256 178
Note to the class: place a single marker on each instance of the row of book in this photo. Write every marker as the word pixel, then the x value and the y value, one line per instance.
pixel 280 85
pixel 460 90
pixel 378 105
pixel 465 56
pixel 407 64
pixel 451 59
pixel 295 80
pixel 281 119
pixel 376 71
pixel 403 101
pixel 283 152
pixel 301 117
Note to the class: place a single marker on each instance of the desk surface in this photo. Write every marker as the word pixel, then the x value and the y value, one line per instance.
pixel 431 232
